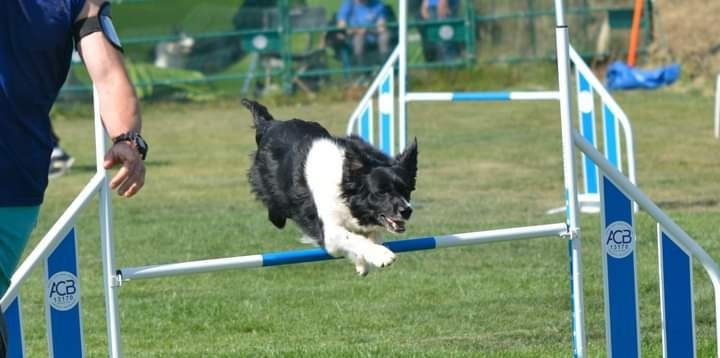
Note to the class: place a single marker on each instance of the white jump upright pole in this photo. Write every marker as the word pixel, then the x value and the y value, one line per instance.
pixel 110 281
pixel 570 177
pixel 402 76
pixel 717 108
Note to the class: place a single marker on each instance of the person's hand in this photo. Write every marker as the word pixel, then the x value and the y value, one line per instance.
pixel 381 26
pixel 131 176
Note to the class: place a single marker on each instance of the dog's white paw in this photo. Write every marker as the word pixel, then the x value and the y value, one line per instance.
pixel 378 256
pixel 362 268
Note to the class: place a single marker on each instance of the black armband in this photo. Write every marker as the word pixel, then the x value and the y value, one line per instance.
pixel 102 22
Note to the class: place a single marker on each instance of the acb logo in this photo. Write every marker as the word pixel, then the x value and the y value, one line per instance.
pixel 63 292
pixel 619 239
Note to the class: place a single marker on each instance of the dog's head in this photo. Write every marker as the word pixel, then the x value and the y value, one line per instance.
pixel 378 188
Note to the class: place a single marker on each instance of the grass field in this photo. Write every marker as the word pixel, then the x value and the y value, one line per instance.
pixel 482 166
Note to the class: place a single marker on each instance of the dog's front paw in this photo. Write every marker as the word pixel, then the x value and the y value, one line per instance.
pixel 379 256
pixel 362 268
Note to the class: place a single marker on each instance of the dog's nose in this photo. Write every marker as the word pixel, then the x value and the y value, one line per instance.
pixel 406 212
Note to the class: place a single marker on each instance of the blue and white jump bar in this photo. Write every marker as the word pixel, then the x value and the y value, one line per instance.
pixel 319 254
pixel 482 96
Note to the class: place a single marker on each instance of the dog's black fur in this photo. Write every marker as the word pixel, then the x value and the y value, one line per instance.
pixel 375 187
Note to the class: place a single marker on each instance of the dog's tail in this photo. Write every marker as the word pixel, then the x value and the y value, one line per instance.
pixel 262 119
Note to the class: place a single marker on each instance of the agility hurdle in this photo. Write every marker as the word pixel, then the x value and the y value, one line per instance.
pixel 391 139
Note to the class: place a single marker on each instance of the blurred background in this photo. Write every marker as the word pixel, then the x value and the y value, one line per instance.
pixel 191 50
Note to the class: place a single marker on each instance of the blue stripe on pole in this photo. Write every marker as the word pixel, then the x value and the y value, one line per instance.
pixel 481 96
pixel 319 254
pixel 583 84
pixel 385 130
pixel 423 243
pixel 365 125
pixel 591 170
pixel 63 300
pixel 385 106
pixel 387 84
pixel 611 137
pixel 620 278
pixel 587 129
pixel 13 320
pixel 678 323
pixel 293 257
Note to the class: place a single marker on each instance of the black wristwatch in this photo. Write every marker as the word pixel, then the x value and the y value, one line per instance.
pixel 136 139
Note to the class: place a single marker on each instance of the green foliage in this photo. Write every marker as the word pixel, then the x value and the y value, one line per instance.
pixel 481 166
pixel 154 82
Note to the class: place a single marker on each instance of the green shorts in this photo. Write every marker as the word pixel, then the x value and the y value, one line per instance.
pixel 16 224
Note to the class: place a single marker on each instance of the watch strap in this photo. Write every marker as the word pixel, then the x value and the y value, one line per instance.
pixel 136 139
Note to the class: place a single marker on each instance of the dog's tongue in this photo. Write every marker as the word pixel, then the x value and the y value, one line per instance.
pixel 397 227
pixel 394 226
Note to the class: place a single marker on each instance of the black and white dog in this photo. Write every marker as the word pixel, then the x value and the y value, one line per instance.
pixel 341 192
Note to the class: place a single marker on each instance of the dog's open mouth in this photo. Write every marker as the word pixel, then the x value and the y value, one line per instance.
pixel 393 225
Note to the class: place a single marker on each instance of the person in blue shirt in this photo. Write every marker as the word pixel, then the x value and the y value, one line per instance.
pixel 36 45
pixel 364 22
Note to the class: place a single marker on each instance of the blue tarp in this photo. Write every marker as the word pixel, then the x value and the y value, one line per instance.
pixel 621 76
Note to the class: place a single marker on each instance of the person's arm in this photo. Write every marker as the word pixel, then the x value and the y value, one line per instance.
pixel 424 10
pixel 382 18
pixel 380 23
pixel 343 13
pixel 443 8
pixel 119 107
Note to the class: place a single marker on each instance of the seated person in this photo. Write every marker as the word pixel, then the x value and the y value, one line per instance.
pixel 438 10
pixel 364 21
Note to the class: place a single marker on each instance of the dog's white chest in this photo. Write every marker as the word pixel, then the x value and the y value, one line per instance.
pixel 324 171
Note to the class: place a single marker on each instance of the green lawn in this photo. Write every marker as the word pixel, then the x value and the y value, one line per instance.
pixel 482 166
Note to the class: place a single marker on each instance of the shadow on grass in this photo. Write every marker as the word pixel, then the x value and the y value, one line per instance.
pixel 87 168
pixel 684 204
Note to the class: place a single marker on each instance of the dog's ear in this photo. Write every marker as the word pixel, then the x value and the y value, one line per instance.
pixel 354 163
pixel 260 113
pixel 407 161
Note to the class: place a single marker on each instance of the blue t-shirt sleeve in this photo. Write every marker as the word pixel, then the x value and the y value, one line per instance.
pixel 380 11
pixel 75 8
pixel 344 11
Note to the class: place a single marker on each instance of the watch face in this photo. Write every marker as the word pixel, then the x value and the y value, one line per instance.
pixel 141 145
